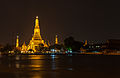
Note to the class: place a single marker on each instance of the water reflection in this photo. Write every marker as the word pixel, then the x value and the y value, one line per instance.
pixel 37 75
pixel 9 65
pixel 35 57
pixel 70 69
pixel 37 66
pixel 0 54
pixel 53 56
pixel 35 62
pixel 17 65
pixel 69 54
pixel 53 62
pixel 17 57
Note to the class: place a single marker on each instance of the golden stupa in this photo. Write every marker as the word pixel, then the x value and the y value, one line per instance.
pixel 36 42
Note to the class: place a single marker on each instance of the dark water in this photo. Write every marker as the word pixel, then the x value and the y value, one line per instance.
pixel 59 66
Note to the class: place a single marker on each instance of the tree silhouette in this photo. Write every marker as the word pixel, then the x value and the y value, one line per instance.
pixel 71 43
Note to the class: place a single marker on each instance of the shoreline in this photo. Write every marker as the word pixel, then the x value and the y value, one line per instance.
pixel 112 54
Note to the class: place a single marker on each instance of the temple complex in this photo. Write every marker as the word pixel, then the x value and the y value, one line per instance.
pixel 36 42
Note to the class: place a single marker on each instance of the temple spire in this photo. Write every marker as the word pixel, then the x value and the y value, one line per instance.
pixel 17 41
pixel 36 22
pixel 36 17
pixel 37 35
pixel 24 43
pixel 86 42
pixel 24 47
pixel 56 40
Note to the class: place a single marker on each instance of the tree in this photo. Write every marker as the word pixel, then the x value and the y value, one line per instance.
pixel 71 43
pixel 7 48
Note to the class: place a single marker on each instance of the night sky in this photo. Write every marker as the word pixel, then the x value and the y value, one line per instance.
pixel 82 19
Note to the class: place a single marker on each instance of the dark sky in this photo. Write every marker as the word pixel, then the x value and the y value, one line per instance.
pixel 82 19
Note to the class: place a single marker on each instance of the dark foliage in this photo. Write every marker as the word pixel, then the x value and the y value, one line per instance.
pixel 71 43
pixel 56 46
pixel 7 48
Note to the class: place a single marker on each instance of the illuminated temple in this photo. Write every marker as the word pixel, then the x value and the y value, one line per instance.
pixel 36 42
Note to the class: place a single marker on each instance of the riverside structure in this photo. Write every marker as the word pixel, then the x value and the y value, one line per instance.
pixel 36 42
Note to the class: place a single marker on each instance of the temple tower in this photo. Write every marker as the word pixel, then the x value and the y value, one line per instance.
pixel 56 40
pixel 86 42
pixel 36 34
pixel 36 39
pixel 17 42
pixel 24 47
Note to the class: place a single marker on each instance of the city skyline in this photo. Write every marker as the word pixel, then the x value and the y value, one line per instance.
pixel 59 38
pixel 84 20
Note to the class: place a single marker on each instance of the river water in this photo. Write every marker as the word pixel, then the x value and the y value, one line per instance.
pixel 59 66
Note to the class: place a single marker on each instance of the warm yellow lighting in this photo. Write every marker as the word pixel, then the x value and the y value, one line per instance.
pixel 56 40
pixel 85 43
pixel 36 39
pixel 45 45
pixel 36 17
pixel 36 22
pixel 35 57
pixel 17 41
pixel 35 42
pixel 24 47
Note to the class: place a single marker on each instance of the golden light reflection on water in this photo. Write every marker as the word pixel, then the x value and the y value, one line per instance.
pixel 17 57
pixel 36 62
pixel 37 75
pixel 33 57
pixel 17 65
pixel 36 65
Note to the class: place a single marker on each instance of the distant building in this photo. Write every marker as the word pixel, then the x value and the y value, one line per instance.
pixel 94 47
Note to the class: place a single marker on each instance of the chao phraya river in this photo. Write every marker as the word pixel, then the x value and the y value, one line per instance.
pixel 59 66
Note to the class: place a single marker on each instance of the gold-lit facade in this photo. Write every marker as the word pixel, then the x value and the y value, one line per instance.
pixel 24 47
pixel 56 40
pixel 36 42
pixel 85 43
pixel 17 42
